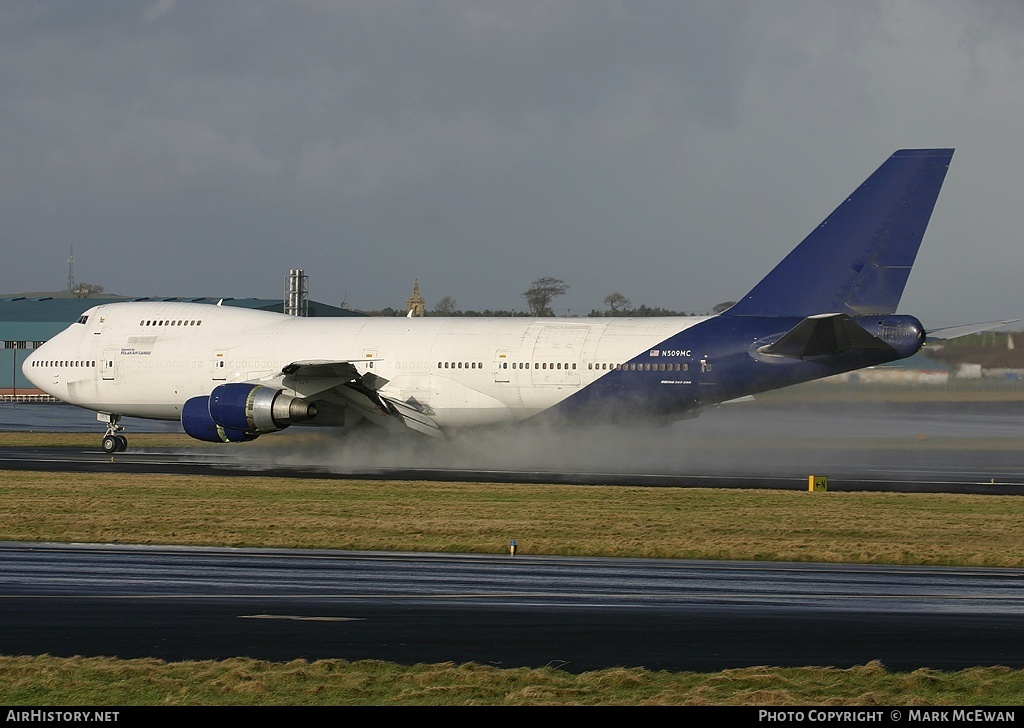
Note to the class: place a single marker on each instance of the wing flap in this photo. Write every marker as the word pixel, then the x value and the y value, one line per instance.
pixel 361 392
pixel 416 420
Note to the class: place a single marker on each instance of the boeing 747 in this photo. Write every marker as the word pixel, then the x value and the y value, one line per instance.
pixel 231 375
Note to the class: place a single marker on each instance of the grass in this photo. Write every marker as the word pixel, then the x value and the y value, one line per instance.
pixel 697 523
pixel 97 681
pixel 887 528
pixel 91 440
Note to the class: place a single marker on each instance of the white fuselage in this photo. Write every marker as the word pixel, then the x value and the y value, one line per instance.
pixel 145 359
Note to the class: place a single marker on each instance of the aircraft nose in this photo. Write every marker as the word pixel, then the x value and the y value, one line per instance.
pixel 36 369
pixel 30 368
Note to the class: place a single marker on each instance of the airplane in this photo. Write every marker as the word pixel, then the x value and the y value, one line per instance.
pixel 231 375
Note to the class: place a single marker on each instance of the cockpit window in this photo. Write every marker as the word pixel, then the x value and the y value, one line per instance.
pixel 82 319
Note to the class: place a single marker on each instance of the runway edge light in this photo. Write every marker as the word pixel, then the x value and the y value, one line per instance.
pixel 817 482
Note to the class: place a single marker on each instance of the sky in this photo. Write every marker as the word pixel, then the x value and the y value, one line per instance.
pixel 671 151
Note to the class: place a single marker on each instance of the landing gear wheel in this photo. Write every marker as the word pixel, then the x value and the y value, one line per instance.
pixel 113 441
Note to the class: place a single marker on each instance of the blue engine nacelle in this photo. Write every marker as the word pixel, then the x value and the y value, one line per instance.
pixel 240 412
pixel 197 423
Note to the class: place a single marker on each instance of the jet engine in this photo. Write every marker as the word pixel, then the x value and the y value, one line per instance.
pixel 239 412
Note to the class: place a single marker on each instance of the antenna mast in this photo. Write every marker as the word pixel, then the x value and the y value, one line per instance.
pixel 71 270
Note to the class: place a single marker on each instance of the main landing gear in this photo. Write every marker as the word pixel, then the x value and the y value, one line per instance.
pixel 113 441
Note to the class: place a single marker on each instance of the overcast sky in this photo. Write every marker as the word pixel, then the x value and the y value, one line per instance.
pixel 670 151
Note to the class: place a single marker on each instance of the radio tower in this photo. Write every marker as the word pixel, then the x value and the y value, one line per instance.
pixel 71 270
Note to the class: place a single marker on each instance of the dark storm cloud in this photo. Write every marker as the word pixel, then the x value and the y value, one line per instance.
pixel 670 151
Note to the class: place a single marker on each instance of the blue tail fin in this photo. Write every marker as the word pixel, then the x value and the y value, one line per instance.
pixel 858 260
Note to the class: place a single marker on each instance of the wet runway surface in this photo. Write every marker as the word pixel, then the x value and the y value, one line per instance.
pixel 921 447
pixel 576 614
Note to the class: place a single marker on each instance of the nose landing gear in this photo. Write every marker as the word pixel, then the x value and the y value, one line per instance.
pixel 113 441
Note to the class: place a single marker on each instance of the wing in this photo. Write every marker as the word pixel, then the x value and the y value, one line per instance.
pixel 341 382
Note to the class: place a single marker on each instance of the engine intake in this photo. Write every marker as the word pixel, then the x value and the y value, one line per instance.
pixel 197 423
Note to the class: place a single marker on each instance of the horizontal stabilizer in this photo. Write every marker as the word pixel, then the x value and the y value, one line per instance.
pixel 952 332
pixel 822 335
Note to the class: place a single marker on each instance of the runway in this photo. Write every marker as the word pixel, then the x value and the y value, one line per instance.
pixel 576 614
pixel 975 472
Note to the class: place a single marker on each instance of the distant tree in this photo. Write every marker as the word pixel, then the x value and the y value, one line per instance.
pixel 616 302
pixel 641 310
pixel 540 293
pixel 387 311
pixel 490 313
pixel 446 306
pixel 84 290
pixel 723 306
